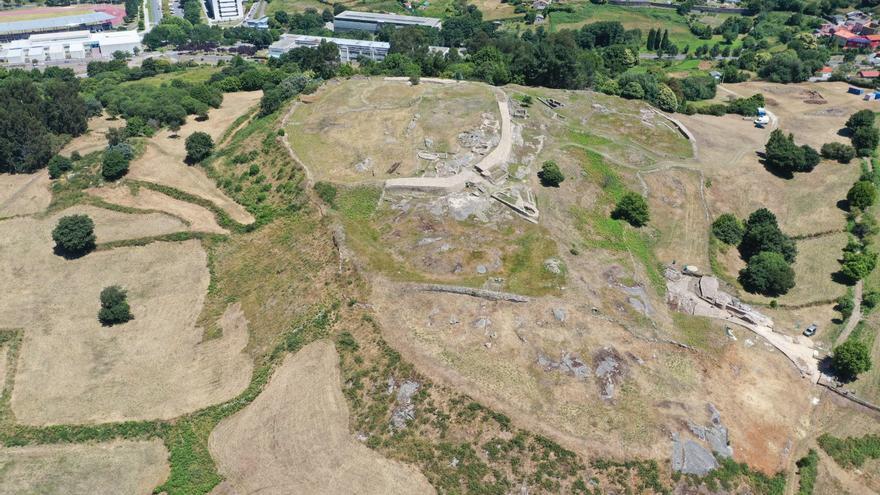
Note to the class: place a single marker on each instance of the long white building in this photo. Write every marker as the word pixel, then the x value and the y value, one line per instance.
pixel 349 50
pixel 71 45
pixel 352 20
pixel 227 10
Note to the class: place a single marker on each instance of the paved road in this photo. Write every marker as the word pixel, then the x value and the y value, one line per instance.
pixel 153 12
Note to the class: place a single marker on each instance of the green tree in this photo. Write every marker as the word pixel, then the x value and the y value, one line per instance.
pixel 865 139
pixel 633 208
pixel 550 174
pixel 198 146
pixel 858 261
pixel 841 152
pixel 58 165
pixel 74 235
pixel 652 38
pixel 861 195
pixel 666 99
pixel 767 273
pixel 114 164
pixel 114 306
pixel 783 154
pixel 851 358
pixel 632 90
pixel 728 229
pixel 862 118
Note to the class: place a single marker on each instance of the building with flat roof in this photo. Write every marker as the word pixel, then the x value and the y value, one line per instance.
pixel 71 45
pixel 349 50
pixel 95 21
pixel 351 20
pixel 227 10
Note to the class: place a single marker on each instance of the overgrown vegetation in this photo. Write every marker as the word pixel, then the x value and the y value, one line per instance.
pixel 808 471
pixel 851 452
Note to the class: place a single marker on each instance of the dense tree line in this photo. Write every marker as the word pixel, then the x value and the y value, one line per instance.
pixel 181 32
pixel 36 110
pixel 163 105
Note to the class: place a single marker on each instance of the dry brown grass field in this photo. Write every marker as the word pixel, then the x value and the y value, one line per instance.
pixel 95 139
pixel 119 467
pixel 198 218
pixel 294 438
pixel 24 194
pixel 384 122
pixel 73 370
pixel 163 159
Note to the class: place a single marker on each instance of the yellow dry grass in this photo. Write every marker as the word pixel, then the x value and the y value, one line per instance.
pixel 163 158
pixel 200 219
pixel 385 122
pixel 73 370
pixel 294 438
pixel 121 468
pixel 24 194
pixel 95 139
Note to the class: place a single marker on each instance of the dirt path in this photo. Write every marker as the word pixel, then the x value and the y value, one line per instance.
pixel 856 315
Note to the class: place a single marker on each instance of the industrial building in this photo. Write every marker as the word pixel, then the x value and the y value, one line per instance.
pixel 349 50
pixel 227 10
pixel 351 20
pixel 17 30
pixel 73 45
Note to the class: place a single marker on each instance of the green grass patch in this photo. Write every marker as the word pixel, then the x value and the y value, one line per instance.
pixel 808 469
pixel 359 203
pixel 526 271
pixel 697 332
pixel 851 452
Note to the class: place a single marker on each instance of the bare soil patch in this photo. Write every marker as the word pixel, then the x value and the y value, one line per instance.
pixel 503 353
pixel 95 139
pixel 73 370
pixel 359 129
pixel 294 438
pixel 24 194
pixel 163 159
pixel 200 219
pixel 121 467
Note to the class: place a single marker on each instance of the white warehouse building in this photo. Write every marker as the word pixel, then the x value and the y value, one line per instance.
pixel 71 45
pixel 227 10
pixel 352 20
pixel 349 50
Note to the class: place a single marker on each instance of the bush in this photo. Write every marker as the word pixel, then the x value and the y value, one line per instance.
pixel 58 165
pixel 728 229
pixel 114 164
pixel 843 153
pixel 326 191
pixel 114 306
pixel 633 91
pixel 858 261
pixel 199 146
pixel 862 118
pixel 74 235
pixel 851 358
pixel 865 139
pixel 633 208
pixel 550 174
pixel 861 195
pixel 767 273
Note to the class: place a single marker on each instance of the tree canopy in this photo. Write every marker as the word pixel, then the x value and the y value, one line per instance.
pixel 784 155
pixel 728 229
pixel 767 273
pixel 114 306
pixel 198 146
pixel 633 208
pixel 550 174
pixel 861 195
pixel 851 358
pixel 74 235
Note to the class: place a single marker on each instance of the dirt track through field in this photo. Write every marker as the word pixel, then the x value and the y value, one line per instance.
pixel 200 219
pixel 73 370
pixel 120 468
pixel 163 159
pixel 294 438
pixel 24 194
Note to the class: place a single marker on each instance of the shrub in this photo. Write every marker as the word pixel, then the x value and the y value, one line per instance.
pixel 550 174
pixel 851 358
pixel 861 195
pixel 862 118
pixel 843 153
pixel 74 235
pixel 633 91
pixel 858 261
pixel 58 165
pixel 198 146
pixel 114 306
pixel 114 164
pixel 728 229
pixel 75 156
pixel 767 273
pixel 633 208
pixel 865 139
pixel 326 191
pixel 807 469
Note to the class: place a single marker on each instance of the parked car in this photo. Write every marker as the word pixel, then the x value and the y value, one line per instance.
pixel 810 330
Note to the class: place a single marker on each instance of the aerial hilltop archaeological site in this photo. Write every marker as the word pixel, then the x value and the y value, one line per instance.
pixel 407 247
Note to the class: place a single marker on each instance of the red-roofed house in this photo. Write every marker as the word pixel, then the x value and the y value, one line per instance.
pixel 848 39
pixel 869 74
pixel 874 39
